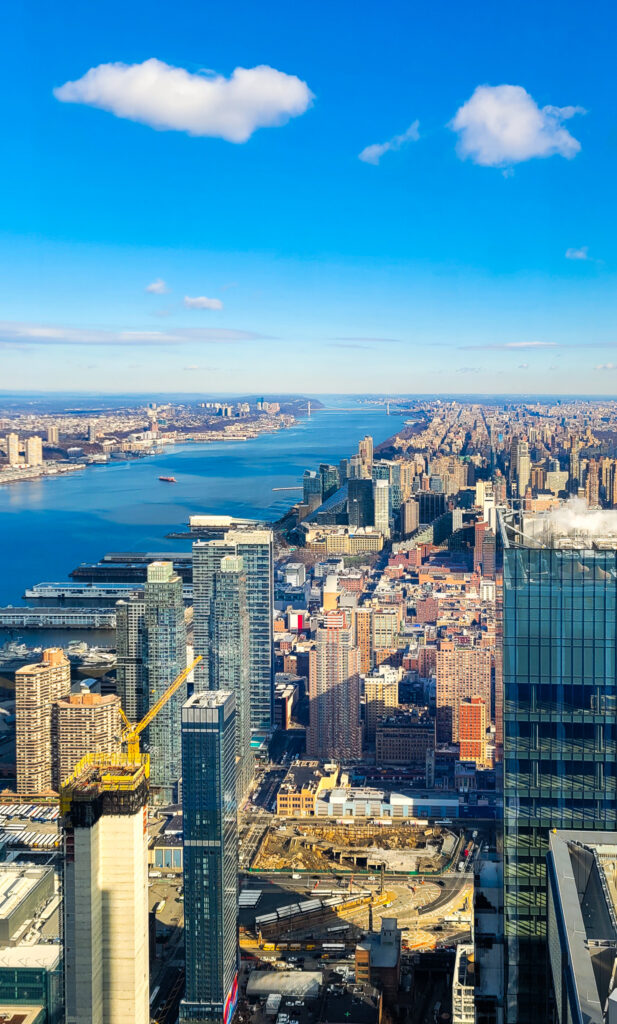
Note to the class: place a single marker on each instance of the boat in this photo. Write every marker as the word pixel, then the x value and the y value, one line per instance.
pixel 168 479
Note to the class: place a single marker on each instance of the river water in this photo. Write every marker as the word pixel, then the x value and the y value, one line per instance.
pixel 49 526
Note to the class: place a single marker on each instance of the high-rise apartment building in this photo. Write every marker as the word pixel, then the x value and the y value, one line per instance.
pixel 381 505
pixel 385 628
pixel 334 692
pixel 592 484
pixel 255 549
pixel 164 657
pixel 230 655
pixel 461 672
pixel 520 466
pixel 83 723
pixel 559 681
pixel 365 451
pixel 53 434
pixel 210 858
pixel 106 956
pixel 130 675
pixel 380 697
pixel 34 451
pixel 36 689
pixel 409 517
pixel 575 466
pixel 484 554
pixel 472 726
pixel 363 636
pixel 12 449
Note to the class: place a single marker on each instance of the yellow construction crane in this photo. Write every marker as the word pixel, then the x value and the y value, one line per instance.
pixel 131 733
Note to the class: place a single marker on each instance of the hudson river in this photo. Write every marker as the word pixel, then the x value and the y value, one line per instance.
pixel 48 526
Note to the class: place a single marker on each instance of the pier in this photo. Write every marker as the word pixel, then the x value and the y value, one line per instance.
pixel 57 618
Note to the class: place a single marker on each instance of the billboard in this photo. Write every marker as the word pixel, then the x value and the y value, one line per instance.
pixel 231 1002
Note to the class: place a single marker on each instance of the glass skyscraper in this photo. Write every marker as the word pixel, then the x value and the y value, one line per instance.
pixel 255 548
pixel 559 682
pixel 164 657
pixel 229 654
pixel 210 857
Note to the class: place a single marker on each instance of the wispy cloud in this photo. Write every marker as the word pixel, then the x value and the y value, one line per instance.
pixel 581 253
pixel 469 369
pixel 202 302
pixel 606 366
pixel 349 344
pixel 16 333
pixel 512 345
pixel 523 366
pixel 205 369
pixel 372 341
pixel 503 124
pixel 373 154
pixel 157 287
pixel 171 98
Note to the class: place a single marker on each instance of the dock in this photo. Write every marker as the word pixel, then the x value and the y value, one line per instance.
pixel 57 618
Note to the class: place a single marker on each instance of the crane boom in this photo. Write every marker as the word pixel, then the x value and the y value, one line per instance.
pixel 131 733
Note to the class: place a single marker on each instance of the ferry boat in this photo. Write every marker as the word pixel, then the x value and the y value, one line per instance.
pixel 168 479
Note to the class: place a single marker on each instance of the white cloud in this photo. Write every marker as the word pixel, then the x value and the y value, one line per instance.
pixel 606 366
pixel 578 254
pixel 373 154
pixel 514 344
pixel 13 334
pixel 523 366
pixel 503 124
pixel 202 302
pixel 170 98
pixel 157 287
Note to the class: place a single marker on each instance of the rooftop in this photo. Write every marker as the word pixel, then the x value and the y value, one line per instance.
pixel 302 984
pixel 582 868
pixel 42 955
pixel 17 881
pixel 571 526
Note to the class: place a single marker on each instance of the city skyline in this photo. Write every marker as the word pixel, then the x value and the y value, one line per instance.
pixel 432 202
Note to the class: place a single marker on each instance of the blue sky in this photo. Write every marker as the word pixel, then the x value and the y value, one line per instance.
pixel 439 266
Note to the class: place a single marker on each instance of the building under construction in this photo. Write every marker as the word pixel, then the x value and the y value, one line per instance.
pixel 104 808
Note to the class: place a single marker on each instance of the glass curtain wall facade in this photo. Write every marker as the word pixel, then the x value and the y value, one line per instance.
pixel 164 657
pixel 255 548
pixel 559 685
pixel 229 655
pixel 210 857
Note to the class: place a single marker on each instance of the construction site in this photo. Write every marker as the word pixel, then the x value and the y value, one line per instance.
pixel 325 847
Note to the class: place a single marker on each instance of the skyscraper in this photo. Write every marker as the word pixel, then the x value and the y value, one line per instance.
pixel 164 657
pixel 409 517
pixel 365 451
pixel 380 697
pixel 334 692
pixel 34 451
pixel 83 723
pixel 473 723
pixel 360 509
pixel 12 449
pixel 53 434
pixel 311 489
pixel 104 808
pixel 210 858
pixel 230 655
pixel 461 672
pixel 36 689
pixel 129 654
pixel 559 679
pixel 255 548
pixel 330 479
pixel 381 501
